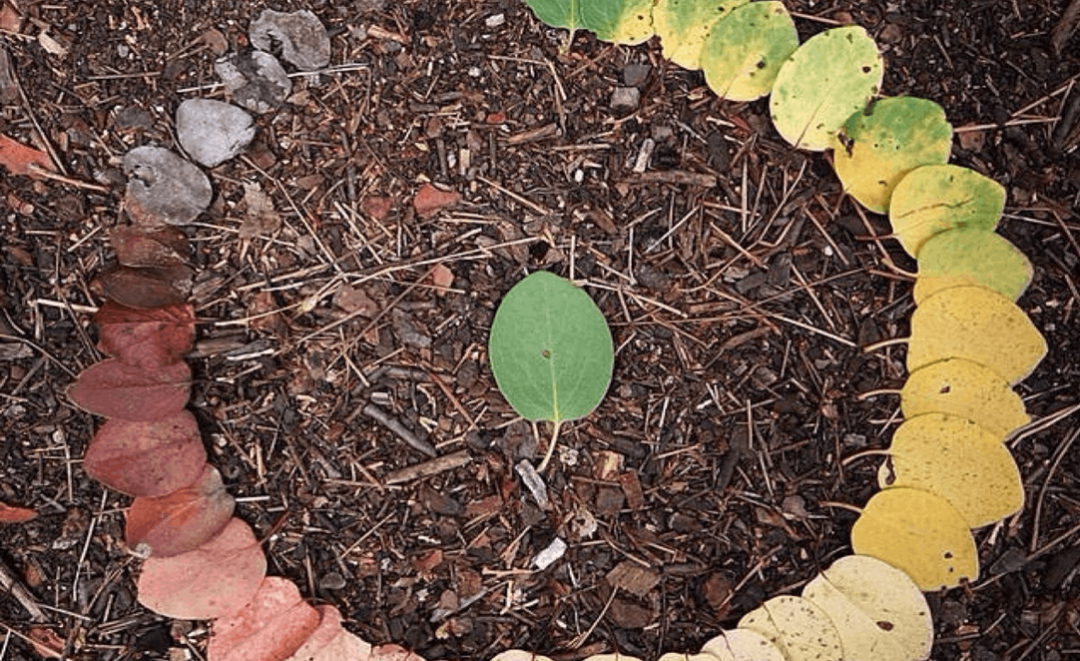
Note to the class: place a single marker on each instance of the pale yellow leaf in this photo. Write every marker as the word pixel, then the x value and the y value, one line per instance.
pixel 799 628
pixel 742 645
pixel 967 389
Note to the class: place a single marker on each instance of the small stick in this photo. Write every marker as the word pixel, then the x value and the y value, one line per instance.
pixel 10 582
pixel 384 419
pixel 429 468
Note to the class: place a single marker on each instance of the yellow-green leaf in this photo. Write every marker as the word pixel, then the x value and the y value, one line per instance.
pixel 742 645
pixel 935 198
pixel 977 324
pixel 958 460
pixel 921 534
pixel 834 74
pixel 744 52
pixel 626 22
pixel 798 627
pixel 967 389
pixel 881 144
pixel 971 256
pixel 683 25
pixel 879 611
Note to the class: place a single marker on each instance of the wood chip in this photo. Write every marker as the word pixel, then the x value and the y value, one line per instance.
pixel 633 578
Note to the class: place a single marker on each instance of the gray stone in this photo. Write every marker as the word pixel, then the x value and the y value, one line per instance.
pixel 167 187
pixel 625 98
pixel 212 132
pixel 634 74
pixel 254 80
pixel 301 35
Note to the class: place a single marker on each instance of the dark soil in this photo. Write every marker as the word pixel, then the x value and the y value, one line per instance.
pixel 739 284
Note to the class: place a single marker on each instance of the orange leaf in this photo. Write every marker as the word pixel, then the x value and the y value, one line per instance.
pixel 430 200
pixel 115 390
pixel 271 627
pixel 215 580
pixel 149 458
pixel 183 520
pixel 10 514
pixel 18 158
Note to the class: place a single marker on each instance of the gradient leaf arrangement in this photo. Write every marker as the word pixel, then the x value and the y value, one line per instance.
pixel 959 402
pixel 947 471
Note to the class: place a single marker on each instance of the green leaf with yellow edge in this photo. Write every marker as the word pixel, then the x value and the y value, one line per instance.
pixel 958 460
pixel 921 534
pixel 971 256
pixel 834 74
pixel 550 349
pixel 881 144
pixel 977 324
pixel 966 389
pixel 799 628
pixel 742 645
pixel 683 26
pixel 744 52
pixel 626 22
pixel 879 611
pixel 936 198
pixel 558 13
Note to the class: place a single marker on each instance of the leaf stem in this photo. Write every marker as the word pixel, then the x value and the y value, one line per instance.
pixel 550 448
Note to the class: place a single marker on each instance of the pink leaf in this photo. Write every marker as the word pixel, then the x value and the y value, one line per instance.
pixel 149 458
pixel 393 653
pixel 430 200
pixel 330 641
pixel 214 580
pixel 115 390
pixel 183 520
pixel 271 627
pixel 10 514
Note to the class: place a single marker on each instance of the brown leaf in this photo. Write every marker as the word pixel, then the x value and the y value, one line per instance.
pixel 11 514
pixel 261 217
pixel 353 299
pixel 116 390
pixel 151 458
pixel 18 158
pixel 183 520
pixel 149 287
pixel 149 247
pixel 159 337
pixel 215 580
pixel 430 200
pixel 377 207
pixel 46 642
pixel 272 626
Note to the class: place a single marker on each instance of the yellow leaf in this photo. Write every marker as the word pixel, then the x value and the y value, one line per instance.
pixel 958 460
pixel 977 324
pixel 626 22
pixel 742 645
pixel 518 655
pixel 967 389
pixel 683 26
pixel 799 628
pixel 880 613
pixel 921 534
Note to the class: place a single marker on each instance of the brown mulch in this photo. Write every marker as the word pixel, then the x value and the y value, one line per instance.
pixel 738 281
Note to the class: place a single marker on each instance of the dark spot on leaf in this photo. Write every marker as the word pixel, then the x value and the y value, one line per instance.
pixel 885 626
pixel 866 69
pixel 948 555
pixel 545 353
pixel 761 64
pixel 945 390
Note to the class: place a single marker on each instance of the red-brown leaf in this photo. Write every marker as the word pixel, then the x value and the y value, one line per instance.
pixel 46 642
pixel 17 157
pixel 271 627
pixel 161 336
pixel 149 247
pixel 183 520
pixel 377 207
pixel 330 641
pixel 430 200
pixel 12 514
pixel 150 458
pixel 116 390
pixel 147 288
pixel 215 580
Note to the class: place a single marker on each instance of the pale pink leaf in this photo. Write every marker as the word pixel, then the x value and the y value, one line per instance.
pixel 273 625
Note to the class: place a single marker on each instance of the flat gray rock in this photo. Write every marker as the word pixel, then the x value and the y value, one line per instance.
pixel 212 132
pixel 254 80
pixel 168 188
pixel 301 35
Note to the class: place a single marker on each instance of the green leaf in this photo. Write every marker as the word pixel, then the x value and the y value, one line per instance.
pixel 683 26
pixel 832 75
pixel 558 13
pixel 886 141
pixel 550 349
pixel 971 256
pixel 744 52
pixel 936 198
pixel 619 21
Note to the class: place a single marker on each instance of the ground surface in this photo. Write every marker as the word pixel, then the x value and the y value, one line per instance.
pixel 738 282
